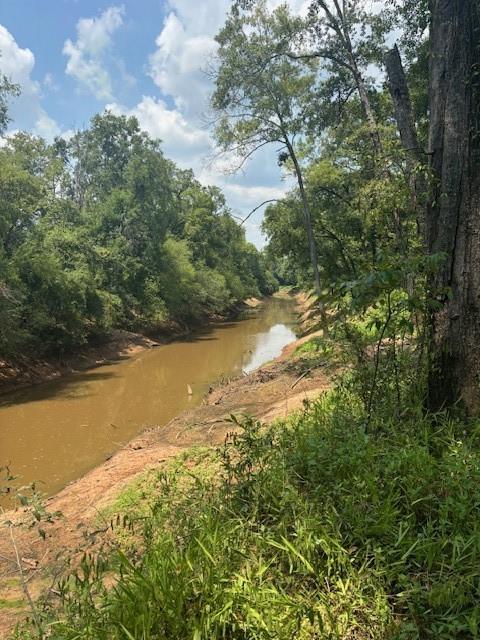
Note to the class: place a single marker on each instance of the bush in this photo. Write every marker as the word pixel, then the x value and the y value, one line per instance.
pixel 311 529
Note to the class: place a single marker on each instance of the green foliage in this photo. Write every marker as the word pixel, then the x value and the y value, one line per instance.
pixel 104 232
pixel 316 346
pixel 303 83
pixel 7 89
pixel 413 16
pixel 357 518
pixel 313 529
pixel 261 97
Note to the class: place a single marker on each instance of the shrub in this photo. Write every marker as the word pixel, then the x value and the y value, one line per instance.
pixel 312 529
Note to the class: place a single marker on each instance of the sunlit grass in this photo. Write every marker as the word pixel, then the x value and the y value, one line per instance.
pixel 309 528
pixel 11 604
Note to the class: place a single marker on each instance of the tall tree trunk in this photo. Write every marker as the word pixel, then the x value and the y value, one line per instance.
pixel 453 215
pixel 397 84
pixel 359 81
pixel 309 229
pixel 310 235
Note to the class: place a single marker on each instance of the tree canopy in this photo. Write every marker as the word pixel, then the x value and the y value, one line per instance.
pixel 354 122
pixel 104 232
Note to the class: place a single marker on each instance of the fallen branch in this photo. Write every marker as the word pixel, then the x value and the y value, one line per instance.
pixel 304 374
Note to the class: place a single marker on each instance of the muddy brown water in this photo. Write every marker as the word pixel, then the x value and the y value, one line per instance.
pixel 57 431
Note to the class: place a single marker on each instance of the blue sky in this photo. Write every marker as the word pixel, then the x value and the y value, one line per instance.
pixel 74 58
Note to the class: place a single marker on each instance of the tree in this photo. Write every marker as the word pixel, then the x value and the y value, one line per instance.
pixel 105 232
pixel 350 38
pixel 404 115
pixel 101 153
pixel 7 89
pixel 413 19
pixel 261 98
pixel 453 227
pixel 400 93
pixel 347 39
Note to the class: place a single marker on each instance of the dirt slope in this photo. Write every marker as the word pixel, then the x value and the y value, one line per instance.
pixel 271 392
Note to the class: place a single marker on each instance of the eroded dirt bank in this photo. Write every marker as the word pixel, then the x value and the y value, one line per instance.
pixel 25 371
pixel 121 344
pixel 270 392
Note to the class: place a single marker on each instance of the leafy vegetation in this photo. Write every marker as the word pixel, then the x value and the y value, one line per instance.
pixel 357 518
pixel 310 528
pixel 104 232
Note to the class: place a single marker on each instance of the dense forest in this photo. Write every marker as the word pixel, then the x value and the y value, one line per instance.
pixel 357 517
pixel 104 232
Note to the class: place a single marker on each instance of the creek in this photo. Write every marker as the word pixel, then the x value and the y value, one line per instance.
pixel 55 432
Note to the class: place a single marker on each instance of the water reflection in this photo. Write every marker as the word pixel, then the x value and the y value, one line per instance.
pixel 269 345
pixel 57 431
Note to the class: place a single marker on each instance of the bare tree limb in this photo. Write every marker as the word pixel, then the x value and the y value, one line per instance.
pixel 243 220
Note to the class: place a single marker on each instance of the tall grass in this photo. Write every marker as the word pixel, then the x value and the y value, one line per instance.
pixel 312 528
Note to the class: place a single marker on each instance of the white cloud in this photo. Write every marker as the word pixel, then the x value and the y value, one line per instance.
pixel 16 63
pixel 26 110
pixel 182 141
pixel 177 65
pixel 86 56
pixel 46 127
pixel 184 48
pixel 253 195
pixel 243 198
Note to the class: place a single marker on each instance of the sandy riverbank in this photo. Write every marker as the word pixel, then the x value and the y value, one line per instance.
pixel 270 392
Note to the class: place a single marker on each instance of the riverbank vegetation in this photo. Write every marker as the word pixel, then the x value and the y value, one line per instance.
pixel 358 517
pixel 104 232
pixel 310 528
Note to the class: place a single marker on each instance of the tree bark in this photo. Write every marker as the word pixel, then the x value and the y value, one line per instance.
pixel 310 235
pixel 308 228
pixel 397 84
pixel 453 214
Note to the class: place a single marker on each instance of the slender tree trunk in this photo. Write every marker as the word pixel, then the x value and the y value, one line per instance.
pixel 311 239
pixel 339 23
pixel 397 84
pixel 310 235
pixel 453 215
pixel 309 229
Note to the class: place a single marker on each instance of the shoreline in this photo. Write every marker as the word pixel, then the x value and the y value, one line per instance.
pixel 26 372
pixel 272 391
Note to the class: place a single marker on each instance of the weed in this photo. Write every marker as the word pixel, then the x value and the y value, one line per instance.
pixel 309 528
